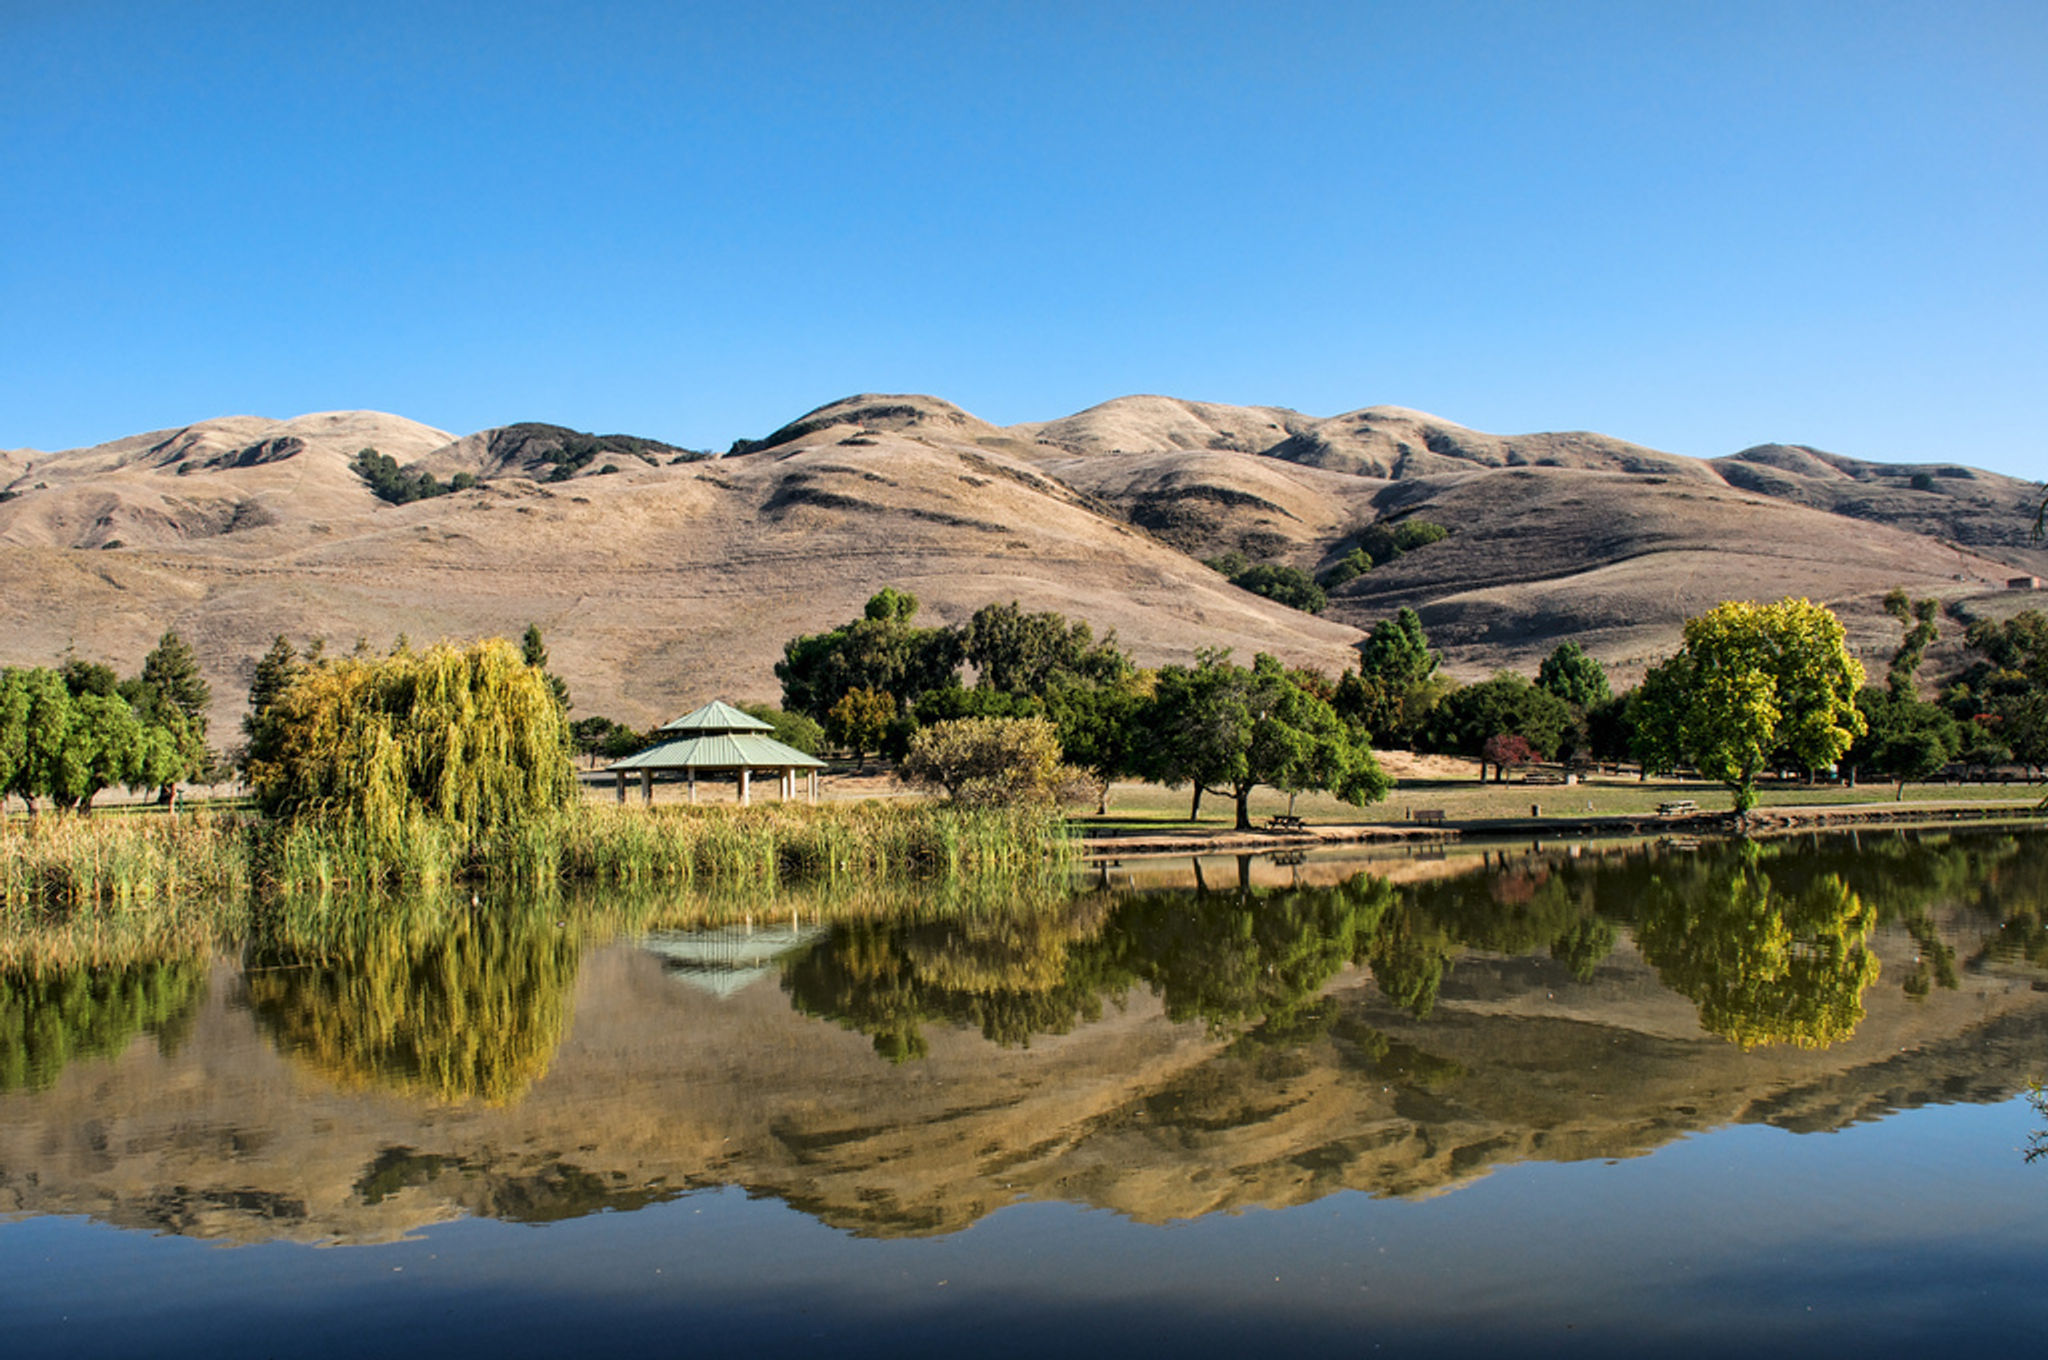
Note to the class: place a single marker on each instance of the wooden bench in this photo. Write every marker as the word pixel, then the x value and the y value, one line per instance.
pixel 1285 822
pixel 1681 807
pixel 1428 816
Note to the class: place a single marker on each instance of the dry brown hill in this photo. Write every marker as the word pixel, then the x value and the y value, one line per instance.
pixel 662 577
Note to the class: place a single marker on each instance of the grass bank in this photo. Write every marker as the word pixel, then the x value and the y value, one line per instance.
pixel 51 866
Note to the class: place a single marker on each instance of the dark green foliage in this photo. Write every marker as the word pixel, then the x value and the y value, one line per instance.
pixel 1917 617
pixel 793 730
pixel 1290 586
pixel 1228 564
pixel 535 653
pixel 1506 704
pixel 1904 739
pixel 880 651
pixel 1227 730
pixel 172 671
pixel 1610 731
pixel 1347 568
pixel 50 1020
pixel 1384 542
pixel 1573 676
pixel 1101 730
pixel 391 483
pixel 1019 653
pixel 565 452
pixel 1397 653
pixel 598 736
pixel 88 677
pixel 1392 692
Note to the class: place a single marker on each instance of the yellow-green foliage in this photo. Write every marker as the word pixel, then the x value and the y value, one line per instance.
pixel 117 864
pixel 988 762
pixel 448 746
pixel 435 999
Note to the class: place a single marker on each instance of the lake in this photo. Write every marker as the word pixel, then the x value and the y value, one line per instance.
pixel 1710 1099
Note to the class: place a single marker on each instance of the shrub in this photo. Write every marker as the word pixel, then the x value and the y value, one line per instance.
pixel 989 762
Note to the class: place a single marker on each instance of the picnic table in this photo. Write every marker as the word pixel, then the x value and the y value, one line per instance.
pixel 1677 807
pixel 1285 822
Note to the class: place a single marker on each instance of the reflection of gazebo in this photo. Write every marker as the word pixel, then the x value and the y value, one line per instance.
pixel 726 959
pixel 718 739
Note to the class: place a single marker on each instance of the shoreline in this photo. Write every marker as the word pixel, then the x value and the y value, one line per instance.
pixel 1120 844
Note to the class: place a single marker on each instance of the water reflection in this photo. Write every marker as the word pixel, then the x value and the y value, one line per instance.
pixel 1766 965
pixel 1244 1035
pixel 52 1017
pixel 453 1004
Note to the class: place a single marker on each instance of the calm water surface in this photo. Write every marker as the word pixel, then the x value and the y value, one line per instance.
pixel 1558 1100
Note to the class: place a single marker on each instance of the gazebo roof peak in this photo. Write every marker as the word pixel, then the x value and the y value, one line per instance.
pixel 714 718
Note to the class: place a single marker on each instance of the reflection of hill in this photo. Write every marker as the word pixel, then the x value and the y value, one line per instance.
pixel 1251 1059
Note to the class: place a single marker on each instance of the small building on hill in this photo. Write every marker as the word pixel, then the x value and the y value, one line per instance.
pixel 2024 583
pixel 719 741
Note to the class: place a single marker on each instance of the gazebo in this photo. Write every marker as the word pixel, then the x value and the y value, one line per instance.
pixel 718 739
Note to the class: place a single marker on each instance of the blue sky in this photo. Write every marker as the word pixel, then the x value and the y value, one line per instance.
pixel 1700 226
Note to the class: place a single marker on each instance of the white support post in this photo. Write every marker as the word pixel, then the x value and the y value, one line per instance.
pixel 746 799
pixel 622 786
pixel 693 786
pixel 647 787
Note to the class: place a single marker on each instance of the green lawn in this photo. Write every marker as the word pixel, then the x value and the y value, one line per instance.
pixel 1148 805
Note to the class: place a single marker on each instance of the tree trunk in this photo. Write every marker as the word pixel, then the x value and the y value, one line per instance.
pixel 1900 796
pixel 1195 811
pixel 1244 807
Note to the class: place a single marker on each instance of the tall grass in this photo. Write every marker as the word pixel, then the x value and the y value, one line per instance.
pixel 77 872
pixel 776 844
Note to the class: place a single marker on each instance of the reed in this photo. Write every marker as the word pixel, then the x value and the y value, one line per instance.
pixel 776 844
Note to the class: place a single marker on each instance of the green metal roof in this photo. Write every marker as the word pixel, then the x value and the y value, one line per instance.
pixel 716 716
pixel 719 751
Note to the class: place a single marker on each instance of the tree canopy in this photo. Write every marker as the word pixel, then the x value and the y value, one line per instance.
pixel 1753 681
pixel 1226 730
pixel 468 741
pixel 881 651
pixel 1573 676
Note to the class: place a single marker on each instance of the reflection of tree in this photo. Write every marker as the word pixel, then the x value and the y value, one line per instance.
pixel 455 1005
pixel 1012 975
pixel 1231 958
pixel 1764 966
pixel 1225 958
pixel 1514 911
pixel 50 1019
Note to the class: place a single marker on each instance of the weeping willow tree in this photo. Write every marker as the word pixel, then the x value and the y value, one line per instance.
pixel 450 746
